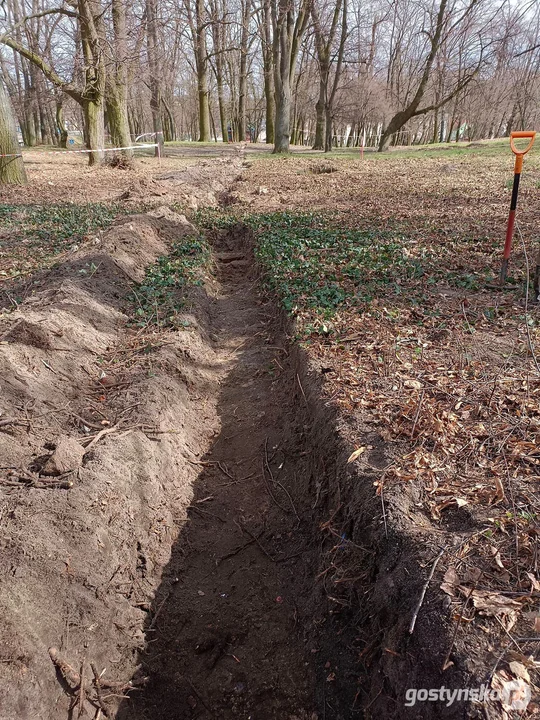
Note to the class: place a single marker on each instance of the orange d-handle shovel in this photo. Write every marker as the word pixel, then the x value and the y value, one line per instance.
pixel 515 189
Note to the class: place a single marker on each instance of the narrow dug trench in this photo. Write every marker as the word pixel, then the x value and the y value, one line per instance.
pixel 225 637
pixel 288 595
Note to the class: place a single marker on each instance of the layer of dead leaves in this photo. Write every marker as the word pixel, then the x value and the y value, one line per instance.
pixel 452 384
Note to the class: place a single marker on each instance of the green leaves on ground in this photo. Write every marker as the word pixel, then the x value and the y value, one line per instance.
pixel 161 295
pixel 315 265
pixel 31 236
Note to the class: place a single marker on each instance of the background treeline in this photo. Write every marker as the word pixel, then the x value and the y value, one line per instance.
pixel 310 72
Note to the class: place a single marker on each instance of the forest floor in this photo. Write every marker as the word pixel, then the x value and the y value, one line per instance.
pixel 308 433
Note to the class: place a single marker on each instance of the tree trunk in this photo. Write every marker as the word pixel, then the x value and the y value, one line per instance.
pixel 221 106
pixel 283 119
pixel 288 32
pixel 12 170
pixel 328 129
pixel 155 83
pixel 95 130
pixel 116 107
pixel 403 116
pixel 61 125
pixel 242 80
pixel 320 123
pixel 270 105
pixel 268 70
pixel 201 62
pixel 116 91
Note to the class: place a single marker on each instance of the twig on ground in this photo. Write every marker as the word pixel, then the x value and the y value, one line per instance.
pixel 234 552
pixel 101 433
pixel 206 512
pixel 384 513
pixel 424 590
pixel 417 415
pixel 82 690
pixel 255 539
pixel 97 686
pixel 159 609
pixel 266 465
pixel 211 463
pixel 301 388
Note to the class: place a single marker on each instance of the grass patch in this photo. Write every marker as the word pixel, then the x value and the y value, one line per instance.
pixel 319 268
pixel 322 269
pixel 31 236
pixel 161 296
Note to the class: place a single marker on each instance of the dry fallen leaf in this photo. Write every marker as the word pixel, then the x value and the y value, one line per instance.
pixel 500 489
pixel 515 694
pixel 451 582
pixel 416 384
pixel 494 605
pixel 534 582
pixel 519 670
pixel 356 454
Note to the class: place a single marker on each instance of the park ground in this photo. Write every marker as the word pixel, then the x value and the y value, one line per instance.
pixel 308 428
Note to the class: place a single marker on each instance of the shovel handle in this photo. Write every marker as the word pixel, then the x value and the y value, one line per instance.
pixel 522 134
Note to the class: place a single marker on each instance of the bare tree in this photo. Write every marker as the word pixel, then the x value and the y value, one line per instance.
pixel 289 24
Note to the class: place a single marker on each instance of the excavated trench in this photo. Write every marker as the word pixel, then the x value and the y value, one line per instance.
pixel 285 596
pixel 248 622
pixel 224 637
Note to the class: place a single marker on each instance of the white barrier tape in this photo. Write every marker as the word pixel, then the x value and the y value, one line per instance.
pixel 64 152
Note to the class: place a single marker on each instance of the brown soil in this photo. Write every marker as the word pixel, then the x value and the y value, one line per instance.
pixel 215 548
pixel 224 636
pixel 181 178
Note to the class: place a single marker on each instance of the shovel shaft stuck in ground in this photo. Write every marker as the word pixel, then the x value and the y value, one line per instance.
pixel 515 189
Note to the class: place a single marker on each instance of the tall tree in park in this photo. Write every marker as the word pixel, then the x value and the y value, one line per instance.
pixel 218 13
pixel 153 66
pixel 11 168
pixel 326 54
pixel 264 19
pixel 289 20
pixel 91 94
pixel 198 25
pixel 116 83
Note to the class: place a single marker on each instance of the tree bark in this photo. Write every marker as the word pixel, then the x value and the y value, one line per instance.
pixel 201 61
pixel 242 79
pixel 116 91
pixel 61 124
pixel 320 122
pixel 12 170
pixel 268 70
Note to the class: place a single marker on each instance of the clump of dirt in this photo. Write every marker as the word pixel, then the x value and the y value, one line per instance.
pixel 206 183
pixel 323 168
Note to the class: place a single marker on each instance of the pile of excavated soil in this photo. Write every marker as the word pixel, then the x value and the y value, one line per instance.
pixel 82 550
pixel 179 180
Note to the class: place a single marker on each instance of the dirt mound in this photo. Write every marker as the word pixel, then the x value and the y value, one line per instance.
pixel 81 551
pixel 137 240
pixel 203 184
pixel 194 186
